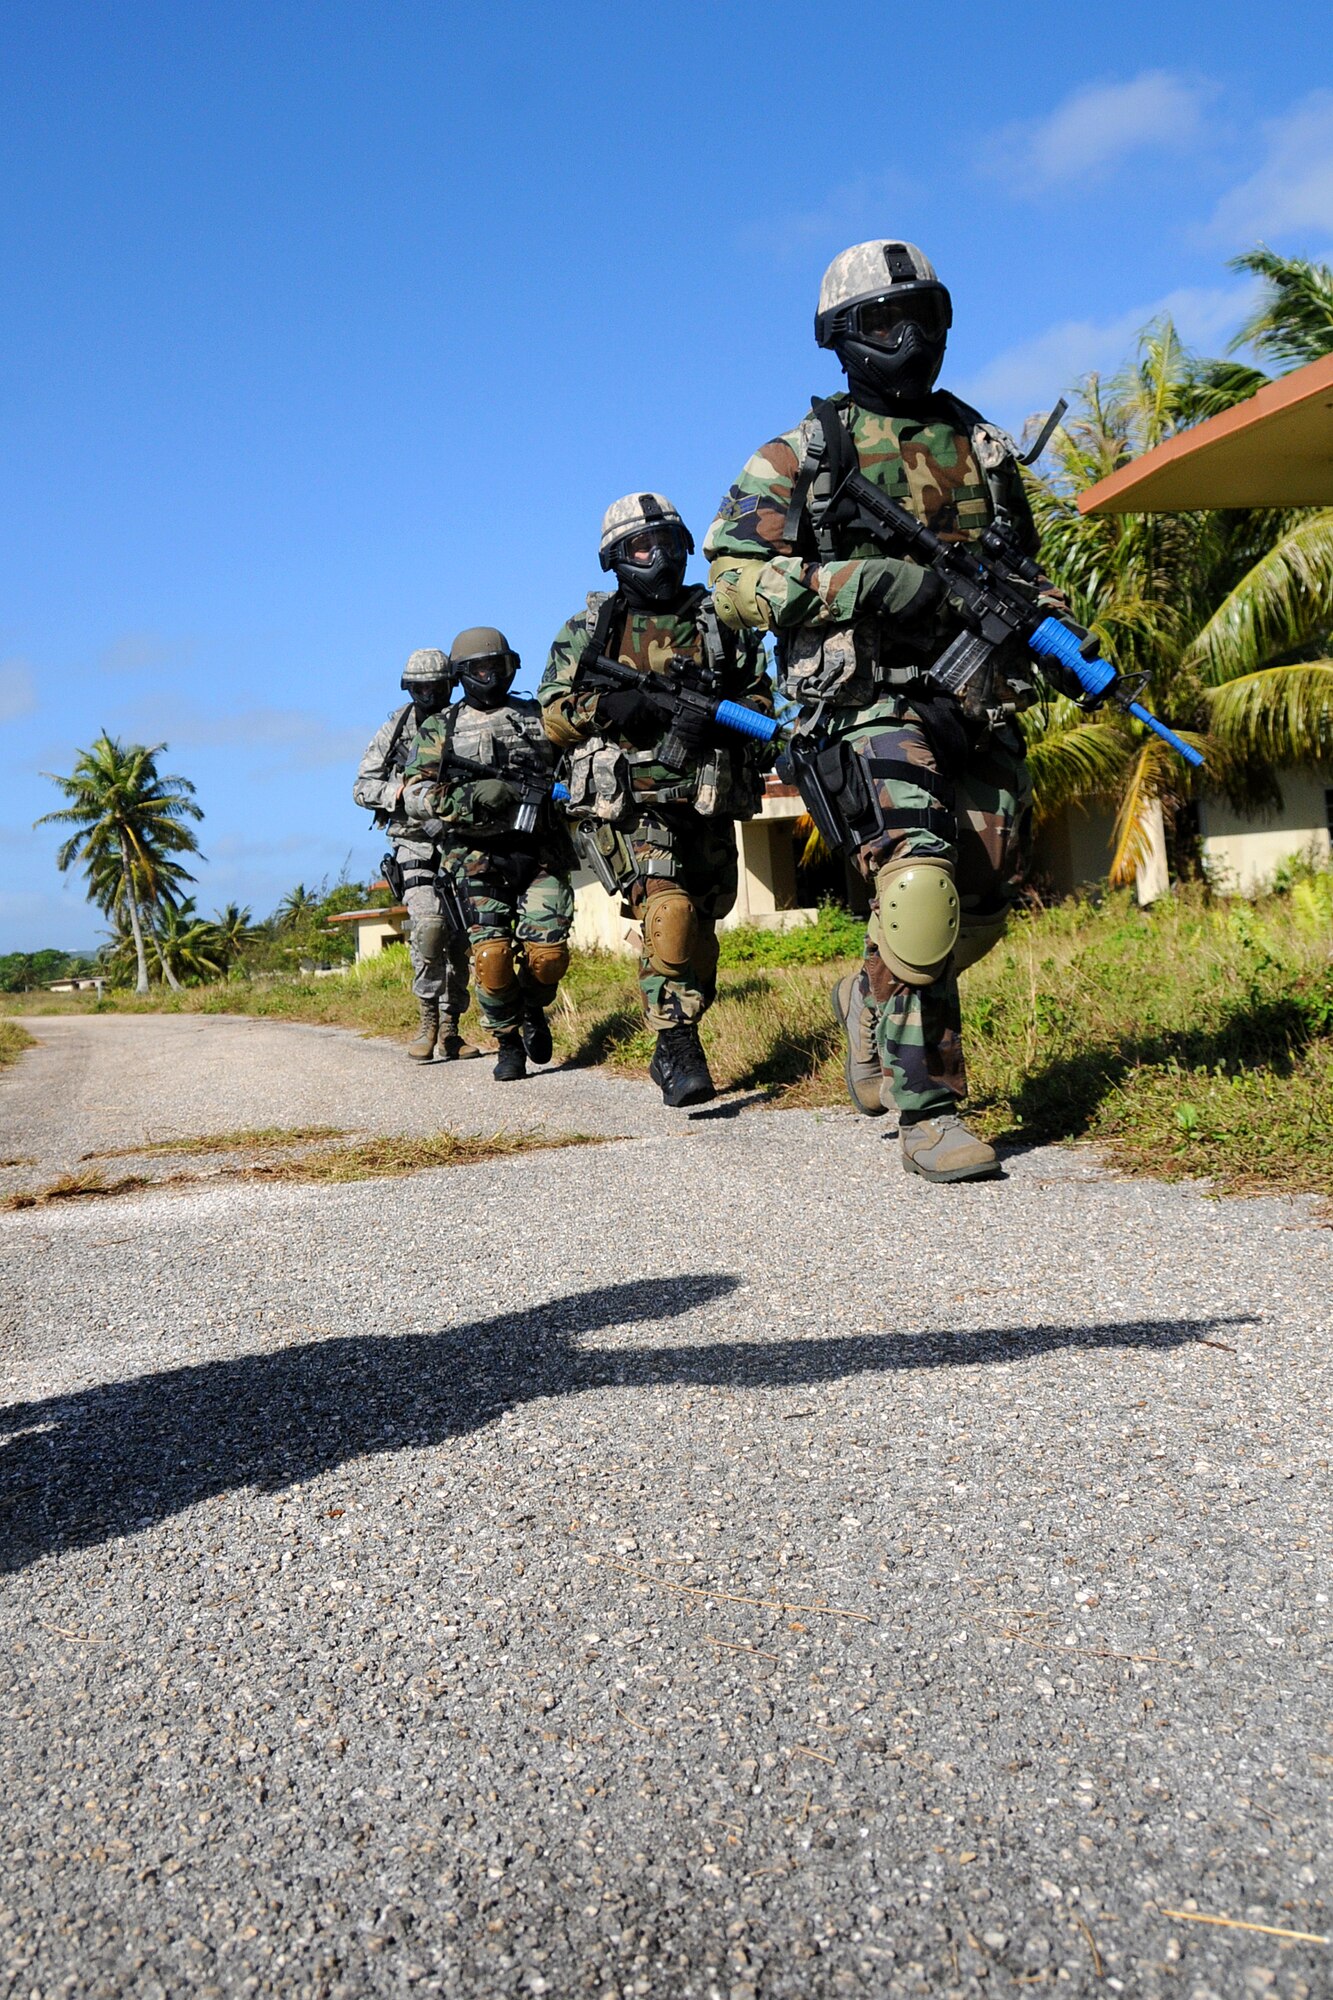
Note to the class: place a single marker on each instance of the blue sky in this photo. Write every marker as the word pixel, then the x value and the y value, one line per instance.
pixel 332 328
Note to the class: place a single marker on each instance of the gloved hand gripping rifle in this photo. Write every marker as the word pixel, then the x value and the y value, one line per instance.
pixel 980 583
pixel 532 782
pixel 680 689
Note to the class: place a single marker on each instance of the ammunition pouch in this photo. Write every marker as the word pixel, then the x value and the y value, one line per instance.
pixel 599 784
pixel 728 785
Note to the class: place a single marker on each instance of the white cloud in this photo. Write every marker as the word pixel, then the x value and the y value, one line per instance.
pixel 311 741
pixel 870 205
pixel 18 690
pixel 136 652
pixel 1097 125
pixel 1292 191
pixel 1032 374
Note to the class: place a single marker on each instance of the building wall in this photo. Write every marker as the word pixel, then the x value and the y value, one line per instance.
pixel 1244 854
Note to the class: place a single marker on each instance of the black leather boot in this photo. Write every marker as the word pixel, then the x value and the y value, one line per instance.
pixel 511 1066
pixel 537 1033
pixel 680 1067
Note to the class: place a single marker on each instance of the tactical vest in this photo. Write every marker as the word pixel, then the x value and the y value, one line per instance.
pixel 609 783
pixel 502 738
pixel 850 665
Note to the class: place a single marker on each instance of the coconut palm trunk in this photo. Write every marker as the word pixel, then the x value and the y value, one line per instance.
pixel 140 955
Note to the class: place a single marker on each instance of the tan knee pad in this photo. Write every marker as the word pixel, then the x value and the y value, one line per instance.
pixel 703 959
pixel 977 936
pixel 915 923
pixel 548 963
pixel 670 932
pixel 493 962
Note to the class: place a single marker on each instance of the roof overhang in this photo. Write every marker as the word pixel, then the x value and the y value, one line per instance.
pixel 1276 450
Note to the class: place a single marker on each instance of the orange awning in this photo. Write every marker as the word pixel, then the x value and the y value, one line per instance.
pixel 1276 450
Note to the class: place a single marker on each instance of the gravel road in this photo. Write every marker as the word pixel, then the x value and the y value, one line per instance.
pixel 706 1564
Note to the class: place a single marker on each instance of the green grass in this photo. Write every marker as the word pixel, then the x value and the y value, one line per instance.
pixel 13 1041
pixel 1195 1038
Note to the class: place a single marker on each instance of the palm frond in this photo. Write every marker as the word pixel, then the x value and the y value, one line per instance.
pixel 1281 716
pixel 1293 321
pixel 1279 604
pixel 1152 781
pixel 1073 757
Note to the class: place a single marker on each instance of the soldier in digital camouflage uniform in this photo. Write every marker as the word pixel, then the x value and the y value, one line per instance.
pixel 439 961
pixel 515 885
pixel 855 629
pixel 678 823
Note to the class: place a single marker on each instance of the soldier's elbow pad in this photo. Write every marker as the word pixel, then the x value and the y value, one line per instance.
pixel 735 588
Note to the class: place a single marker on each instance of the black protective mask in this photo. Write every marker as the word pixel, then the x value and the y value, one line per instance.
pixel 657 579
pixel 427 699
pixel 487 679
pixel 880 378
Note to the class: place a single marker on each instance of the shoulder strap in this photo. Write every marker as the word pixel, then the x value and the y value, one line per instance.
pixel 828 443
pixel 608 626
pixel 719 641
pixel 400 724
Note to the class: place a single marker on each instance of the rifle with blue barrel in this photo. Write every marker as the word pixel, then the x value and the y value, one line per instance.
pixel 680 688
pixel 979 580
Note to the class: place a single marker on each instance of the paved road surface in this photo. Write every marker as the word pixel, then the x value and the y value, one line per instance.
pixel 705 1564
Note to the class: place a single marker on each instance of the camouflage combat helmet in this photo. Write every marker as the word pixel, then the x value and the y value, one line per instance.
pixel 647 544
pixel 485 663
pixel 427 667
pixel 884 312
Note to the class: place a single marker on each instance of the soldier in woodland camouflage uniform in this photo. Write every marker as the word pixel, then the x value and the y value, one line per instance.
pixel 678 823
pixel 439 961
pixel 856 628
pixel 515 885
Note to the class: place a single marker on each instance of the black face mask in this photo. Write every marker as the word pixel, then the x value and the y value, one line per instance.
pixel 657 580
pixel 882 380
pixel 427 698
pixel 486 680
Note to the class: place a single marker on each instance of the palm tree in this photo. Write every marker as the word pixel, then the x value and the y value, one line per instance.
pixel 1224 614
pixel 191 946
pixel 297 907
pixel 130 821
pixel 236 929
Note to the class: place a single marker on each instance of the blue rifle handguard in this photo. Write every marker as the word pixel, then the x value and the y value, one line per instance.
pixel 1053 640
pixel 746 721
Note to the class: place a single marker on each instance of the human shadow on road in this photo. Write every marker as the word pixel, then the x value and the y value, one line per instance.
pixel 111 1460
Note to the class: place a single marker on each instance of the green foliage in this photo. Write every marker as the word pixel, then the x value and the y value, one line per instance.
pixel 835 933
pixel 1293 322
pixel 30 971
pixel 1225 614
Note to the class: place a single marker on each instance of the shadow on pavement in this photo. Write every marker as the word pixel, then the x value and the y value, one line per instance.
pixel 107 1461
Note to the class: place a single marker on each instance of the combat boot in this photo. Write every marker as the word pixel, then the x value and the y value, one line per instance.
pixel 423 1048
pixel 942 1149
pixel 452 1047
pixel 680 1067
pixel 511 1067
pixel 861 1065
pixel 537 1033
